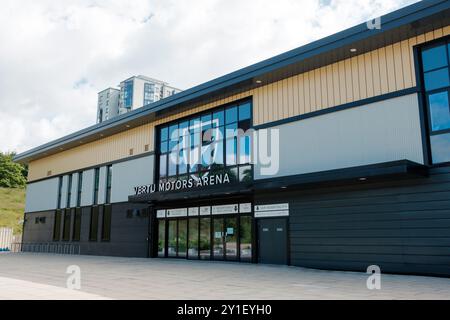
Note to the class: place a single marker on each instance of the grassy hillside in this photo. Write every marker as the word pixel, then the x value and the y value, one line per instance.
pixel 12 206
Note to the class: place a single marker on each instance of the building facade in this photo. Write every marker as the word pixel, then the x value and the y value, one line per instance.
pixel 139 91
pixel 335 155
pixel 107 104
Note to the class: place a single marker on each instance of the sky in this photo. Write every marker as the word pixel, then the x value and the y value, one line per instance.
pixel 55 56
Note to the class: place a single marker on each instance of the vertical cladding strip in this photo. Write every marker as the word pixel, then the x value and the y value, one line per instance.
pixel 102 186
pixel 73 199
pixel 64 191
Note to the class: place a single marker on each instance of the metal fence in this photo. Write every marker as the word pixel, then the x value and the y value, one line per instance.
pixel 46 247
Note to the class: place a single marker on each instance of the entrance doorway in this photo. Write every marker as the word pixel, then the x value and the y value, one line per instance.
pixel 272 243
pixel 227 237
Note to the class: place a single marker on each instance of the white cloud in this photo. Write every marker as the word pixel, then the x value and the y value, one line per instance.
pixel 56 55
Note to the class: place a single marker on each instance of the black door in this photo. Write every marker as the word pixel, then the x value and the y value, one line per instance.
pixel 272 241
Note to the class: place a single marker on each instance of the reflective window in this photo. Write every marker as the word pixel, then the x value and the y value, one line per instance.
pixel 209 141
pixel 437 79
pixel 128 94
pixel 218 238
pixel 231 115
pixel 193 238
pixel 440 148
pixel 246 238
pixel 231 233
pixel 149 93
pixel 172 238
pixel 439 111
pixel 205 234
pixel 182 238
pixel 66 225
pixel 161 238
pixel 435 62
pixel 434 58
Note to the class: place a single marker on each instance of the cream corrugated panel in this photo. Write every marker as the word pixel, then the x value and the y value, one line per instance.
pixel 371 74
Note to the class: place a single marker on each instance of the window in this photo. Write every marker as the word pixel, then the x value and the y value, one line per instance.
pixel 57 226
pixel 108 183
pixel 436 76
pixel 106 223
pixel 69 192
pixel 96 184
pixel 76 225
pixel 149 93
pixel 211 142
pixel 128 94
pixel 66 225
pixel 60 182
pixel 80 188
pixel 93 228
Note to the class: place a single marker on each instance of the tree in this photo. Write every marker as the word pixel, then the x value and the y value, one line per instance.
pixel 12 175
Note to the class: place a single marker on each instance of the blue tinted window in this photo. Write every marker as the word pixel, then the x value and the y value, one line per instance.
pixel 244 149
pixel 440 148
pixel 183 160
pixel 194 159
pixel 164 134
pixel 164 147
pixel 244 112
pixel 194 125
pixel 195 139
pixel 231 115
pixel 434 58
pixel 184 126
pixel 217 134
pixel 173 159
pixel 218 152
pixel 231 146
pixel 173 132
pixel 218 119
pixel 231 130
pixel 439 111
pixel 128 94
pixel 436 79
pixel 173 145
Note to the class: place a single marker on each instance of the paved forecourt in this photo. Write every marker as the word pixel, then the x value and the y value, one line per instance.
pixel 44 276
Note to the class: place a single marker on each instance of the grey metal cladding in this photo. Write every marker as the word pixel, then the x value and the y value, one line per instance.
pixel 129 174
pixel 87 195
pixel 42 195
pixel 102 186
pixel 380 132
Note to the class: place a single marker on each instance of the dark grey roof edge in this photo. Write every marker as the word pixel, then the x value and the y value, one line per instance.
pixel 389 21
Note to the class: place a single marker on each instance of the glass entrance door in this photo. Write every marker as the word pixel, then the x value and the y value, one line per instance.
pixel 205 238
pixel 212 237
pixel 218 234
pixel 230 233
pixel 193 238
pixel 172 238
pixel 182 238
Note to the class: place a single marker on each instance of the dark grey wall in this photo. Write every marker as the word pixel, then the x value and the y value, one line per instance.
pixel 38 232
pixel 128 235
pixel 402 226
